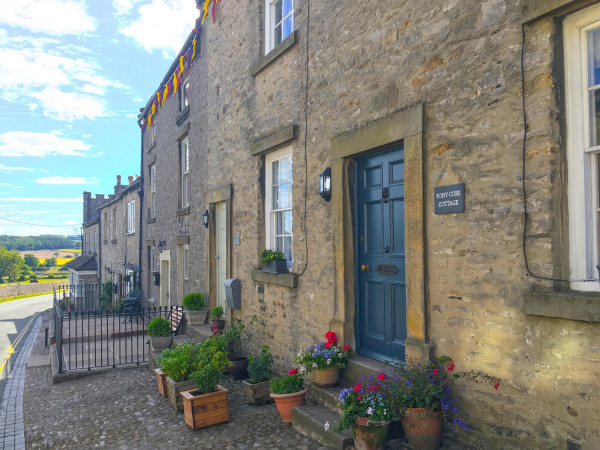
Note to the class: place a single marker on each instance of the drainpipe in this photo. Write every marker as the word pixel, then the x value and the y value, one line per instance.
pixel 141 196
pixel 99 259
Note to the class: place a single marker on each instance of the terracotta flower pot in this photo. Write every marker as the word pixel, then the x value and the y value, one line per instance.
pixel 161 380
pixel 370 435
pixel 203 410
pixel 422 428
pixel 325 377
pixel 286 402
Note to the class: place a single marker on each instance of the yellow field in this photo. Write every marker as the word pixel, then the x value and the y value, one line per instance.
pixel 59 261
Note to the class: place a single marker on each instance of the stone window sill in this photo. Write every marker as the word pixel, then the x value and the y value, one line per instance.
pixel 280 49
pixel 571 305
pixel 182 116
pixel 283 279
pixel 183 211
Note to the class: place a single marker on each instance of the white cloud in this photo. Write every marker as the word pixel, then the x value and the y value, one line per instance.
pixel 10 169
pixel 71 222
pixel 66 180
pixel 39 199
pixel 124 7
pixel 26 143
pixel 49 16
pixel 161 25
pixel 71 105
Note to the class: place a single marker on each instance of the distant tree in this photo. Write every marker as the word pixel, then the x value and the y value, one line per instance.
pixel 56 254
pixel 10 263
pixel 31 260
pixel 51 262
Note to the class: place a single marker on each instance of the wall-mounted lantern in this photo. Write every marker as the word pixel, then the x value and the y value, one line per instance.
pixel 108 270
pixel 205 219
pixel 325 184
pixel 156 278
pixel 161 246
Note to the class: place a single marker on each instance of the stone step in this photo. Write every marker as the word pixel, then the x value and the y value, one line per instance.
pixel 328 397
pixel 357 365
pixel 198 333
pixel 310 420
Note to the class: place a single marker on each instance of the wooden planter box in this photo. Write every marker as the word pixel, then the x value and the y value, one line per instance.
pixel 276 267
pixel 203 410
pixel 256 394
pixel 174 391
pixel 161 380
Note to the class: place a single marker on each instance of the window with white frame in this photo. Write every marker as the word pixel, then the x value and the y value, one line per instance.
pixel 279 22
pixel 186 261
pixel 278 202
pixel 582 82
pixel 113 223
pixel 131 217
pixel 185 169
pixel 183 92
pixel 153 191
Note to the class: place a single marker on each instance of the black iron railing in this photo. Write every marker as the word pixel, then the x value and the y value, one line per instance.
pixel 92 297
pixel 92 339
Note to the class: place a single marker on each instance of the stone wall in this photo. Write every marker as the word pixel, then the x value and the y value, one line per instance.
pixel 15 290
pixel 366 61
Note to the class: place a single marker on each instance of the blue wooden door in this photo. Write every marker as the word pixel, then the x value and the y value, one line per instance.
pixel 381 280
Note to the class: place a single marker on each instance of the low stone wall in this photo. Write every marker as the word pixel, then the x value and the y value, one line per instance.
pixel 14 290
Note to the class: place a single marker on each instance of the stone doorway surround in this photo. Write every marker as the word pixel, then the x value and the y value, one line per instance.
pixel 220 194
pixel 407 126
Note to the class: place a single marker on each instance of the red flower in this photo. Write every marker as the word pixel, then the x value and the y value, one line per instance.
pixel 346 348
pixel 357 387
pixel 374 388
pixel 327 344
pixel 436 371
pixel 331 337
pixel 359 397
pixel 292 372
pixel 497 385
pixel 381 376
pixel 451 367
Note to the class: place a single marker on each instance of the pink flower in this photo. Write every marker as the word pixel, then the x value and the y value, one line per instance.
pixel 327 344
pixel 381 376
pixel 436 371
pixel 451 367
pixel 346 348
pixel 292 372
pixel 357 387
pixel 359 397
pixel 497 384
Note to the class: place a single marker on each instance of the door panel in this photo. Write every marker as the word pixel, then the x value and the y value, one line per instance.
pixel 381 302
pixel 221 252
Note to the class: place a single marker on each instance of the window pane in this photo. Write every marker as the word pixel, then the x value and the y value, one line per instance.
pixel 287 245
pixel 279 244
pixel 594 117
pixel 284 196
pixel 288 26
pixel 275 172
pixel 277 35
pixel 285 172
pixel 287 7
pixel 275 202
pixel 287 222
pixel 593 38
pixel 279 223
pixel 278 7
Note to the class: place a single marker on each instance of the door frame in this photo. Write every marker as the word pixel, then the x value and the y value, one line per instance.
pixel 404 126
pixel 164 297
pixel 221 194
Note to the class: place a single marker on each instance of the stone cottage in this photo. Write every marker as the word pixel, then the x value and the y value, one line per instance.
pixel 462 214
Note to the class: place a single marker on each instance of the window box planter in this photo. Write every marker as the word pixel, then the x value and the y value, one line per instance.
pixel 203 410
pixel 275 266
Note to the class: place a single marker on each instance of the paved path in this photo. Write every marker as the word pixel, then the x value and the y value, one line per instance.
pixel 12 430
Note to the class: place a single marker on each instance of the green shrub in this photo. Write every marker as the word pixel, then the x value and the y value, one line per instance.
pixel 259 367
pixel 288 385
pixel 180 361
pixel 270 255
pixel 217 313
pixel 194 301
pixel 159 327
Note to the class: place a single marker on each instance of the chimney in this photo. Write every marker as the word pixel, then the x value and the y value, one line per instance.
pixel 118 180
pixel 130 179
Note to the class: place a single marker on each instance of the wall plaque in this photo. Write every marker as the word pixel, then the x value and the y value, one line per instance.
pixel 450 199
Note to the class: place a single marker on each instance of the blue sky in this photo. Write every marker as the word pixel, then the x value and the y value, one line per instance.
pixel 73 76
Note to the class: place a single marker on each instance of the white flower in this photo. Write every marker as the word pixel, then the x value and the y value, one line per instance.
pixel 340 354
pixel 314 365
pixel 302 369
pixel 328 361
pixel 327 425
pixel 370 411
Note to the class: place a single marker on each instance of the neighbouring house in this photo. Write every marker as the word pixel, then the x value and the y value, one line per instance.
pixel 456 147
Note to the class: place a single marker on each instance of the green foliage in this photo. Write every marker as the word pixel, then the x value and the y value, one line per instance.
pixel 259 367
pixel 42 242
pixel 216 313
pixel 194 301
pixel 288 385
pixel 31 260
pixel 50 262
pixel 323 355
pixel 238 335
pixel 270 255
pixel 10 263
pixel 159 327
pixel 126 278
pixel 179 361
pixel 105 297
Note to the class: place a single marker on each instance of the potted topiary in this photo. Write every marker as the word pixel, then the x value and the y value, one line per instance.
pixel 256 389
pixel 159 330
pixel 194 308
pixel 273 261
pixel 216 319
pixel 179 362
pixel 207 403
pixel 288 392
